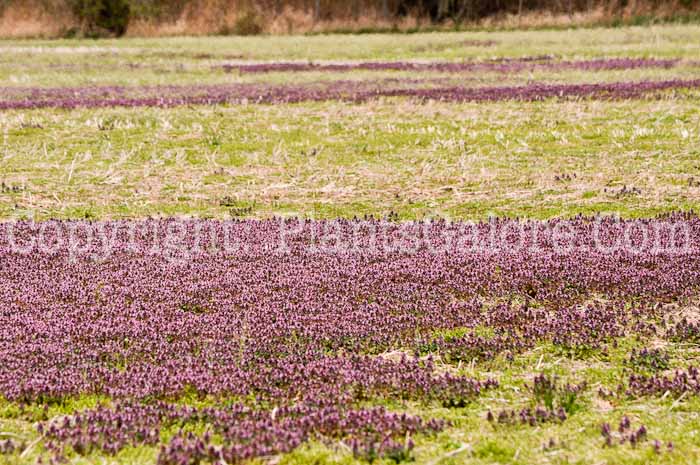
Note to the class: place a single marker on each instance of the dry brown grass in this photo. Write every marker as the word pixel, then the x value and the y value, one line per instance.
pixel 28 19
pixel 535 19
pixel 208 17
pixel 203 17
pixel 294 20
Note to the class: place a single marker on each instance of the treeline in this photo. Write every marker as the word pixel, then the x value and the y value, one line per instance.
pixel 117 17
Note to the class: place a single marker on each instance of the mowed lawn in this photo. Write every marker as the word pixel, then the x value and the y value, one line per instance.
pixel 402 158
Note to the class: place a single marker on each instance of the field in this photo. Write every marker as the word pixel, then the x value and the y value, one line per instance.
pixel 435 248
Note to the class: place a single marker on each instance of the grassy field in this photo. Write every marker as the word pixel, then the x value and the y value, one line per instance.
pixel 335 160
pixel 331 159
pixel 387 157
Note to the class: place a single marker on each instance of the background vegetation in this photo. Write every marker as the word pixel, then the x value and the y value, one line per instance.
pixel 51 18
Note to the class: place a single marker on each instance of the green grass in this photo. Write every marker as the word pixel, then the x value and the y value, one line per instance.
pixel 661 40
pixel 194 60
pixel 331 159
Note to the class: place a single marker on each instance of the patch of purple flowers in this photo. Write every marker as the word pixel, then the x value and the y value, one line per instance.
pixel 293 337
pixel 234 433
pixel 8 446
pixel 528 416
pixel 681 383
pixel 684 331
pixel 624 434
pixel 14 98
pixel 510 66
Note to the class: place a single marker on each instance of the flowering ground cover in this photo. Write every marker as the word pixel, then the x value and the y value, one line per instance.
pixel 351 334
pixel 516 65
pixel 469 247
pixel 346 91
